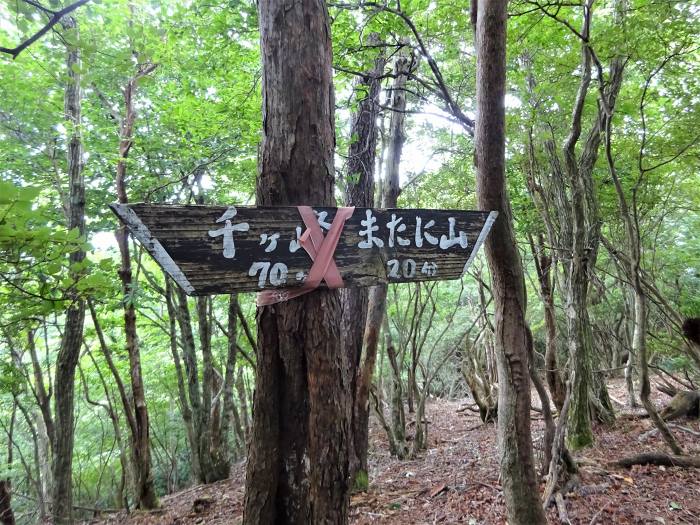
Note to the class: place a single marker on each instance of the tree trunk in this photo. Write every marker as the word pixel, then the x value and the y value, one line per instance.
pixel 44 426
pixel 655 458
pixel 585 241
pixel 214 466
pixel 360 192
pixel 377 297
pixel 639 347
pixel 549 427
pixel 398 417
pixel 629 381
pixel 185 409
pixel 127 467
pixel 376 304
pixel 544 266
pixel 189 357
pixel 145 495
pixel 7 517
pixel 122 496
pixel 203 305
pixel 519 482
pixel 43 445
pixel 298 460
pixel 222 462
pixel 243 401
pixel 206 413
pixel 42 397
pixel 375 313
pixel 72 340
pixel 578 323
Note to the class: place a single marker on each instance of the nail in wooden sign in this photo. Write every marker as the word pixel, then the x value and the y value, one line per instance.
pixel 224 249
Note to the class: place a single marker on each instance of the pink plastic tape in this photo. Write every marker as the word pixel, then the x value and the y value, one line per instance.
pixel 321 250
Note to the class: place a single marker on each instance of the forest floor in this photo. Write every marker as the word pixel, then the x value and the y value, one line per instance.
pixel 456 479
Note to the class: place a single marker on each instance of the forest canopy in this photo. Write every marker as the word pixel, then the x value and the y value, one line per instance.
pixel 116 388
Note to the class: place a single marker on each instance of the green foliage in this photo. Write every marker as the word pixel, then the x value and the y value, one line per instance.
pixel 361 481
pixel 196 135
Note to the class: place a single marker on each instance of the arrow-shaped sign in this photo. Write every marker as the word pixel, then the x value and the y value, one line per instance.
pixel 224 249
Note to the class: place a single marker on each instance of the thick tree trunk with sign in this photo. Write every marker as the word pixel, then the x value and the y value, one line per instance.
pixel 514 437
pixel 298 460
pixel 72 340
pixel 360 192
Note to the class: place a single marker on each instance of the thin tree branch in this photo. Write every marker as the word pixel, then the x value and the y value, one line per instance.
pixel 466 122
pixel 57 16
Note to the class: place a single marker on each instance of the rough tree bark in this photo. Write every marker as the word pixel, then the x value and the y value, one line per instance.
pixel 589 392
pixel 298 460
pixel 205 433
pixel 578 322
pixel 244 413
pixel 208 409
pixel 627 338
pixel 544 266
pixel 376 308
pixel 359 192
pixel 228 406
pixel 549 426
pixel 42 396
pixel 145 495
pixel 569 206
pixel 69 353
pixel 185 408
pixel 202 462
pixel 514 436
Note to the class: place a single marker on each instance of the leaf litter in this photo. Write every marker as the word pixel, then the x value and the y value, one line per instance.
pixel 456 480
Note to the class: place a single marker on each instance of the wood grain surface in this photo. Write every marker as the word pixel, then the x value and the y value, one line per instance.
pixel 189 244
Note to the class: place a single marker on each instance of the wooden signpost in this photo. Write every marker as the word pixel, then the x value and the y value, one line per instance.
pixel 219 249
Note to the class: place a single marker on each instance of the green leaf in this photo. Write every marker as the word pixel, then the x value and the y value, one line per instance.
pixel 53 268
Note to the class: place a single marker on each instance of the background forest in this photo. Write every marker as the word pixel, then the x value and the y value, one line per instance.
pixel 160 101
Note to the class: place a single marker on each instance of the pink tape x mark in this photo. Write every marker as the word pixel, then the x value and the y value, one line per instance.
pixel 321 250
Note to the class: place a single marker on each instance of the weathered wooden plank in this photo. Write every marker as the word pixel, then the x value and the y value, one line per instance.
pixel 220 249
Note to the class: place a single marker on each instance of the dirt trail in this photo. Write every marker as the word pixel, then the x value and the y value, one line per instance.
pixel 456 480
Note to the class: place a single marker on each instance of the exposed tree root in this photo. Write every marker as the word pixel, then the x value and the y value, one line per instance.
pixel 561 463
pixel 646 435
pixel 667 389
pixel 561 508
pixel 626 416
pixel 660 459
